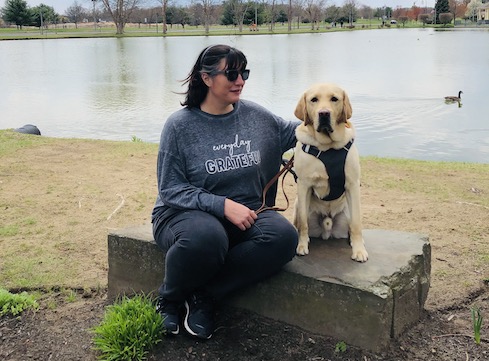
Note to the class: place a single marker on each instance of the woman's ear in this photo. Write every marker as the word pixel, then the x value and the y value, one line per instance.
pixel 206 79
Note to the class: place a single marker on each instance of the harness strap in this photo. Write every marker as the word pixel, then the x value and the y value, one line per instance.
pixel 334 161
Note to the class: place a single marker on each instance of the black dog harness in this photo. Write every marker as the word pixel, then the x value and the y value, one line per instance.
pixel 334 161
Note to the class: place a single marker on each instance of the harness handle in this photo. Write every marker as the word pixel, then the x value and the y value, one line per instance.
pixel 287 168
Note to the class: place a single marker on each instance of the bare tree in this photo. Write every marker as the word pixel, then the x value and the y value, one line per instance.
pixel 289 16
pixel 350 7
pixel 314 9
pixel 75 13
pixel 207 8
pixel 471 11
pixel 297 10
pixel 164 7
pixel 271 10
pixel 120 11
pixel 239 9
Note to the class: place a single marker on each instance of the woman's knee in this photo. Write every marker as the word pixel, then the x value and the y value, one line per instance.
pixel 201 232
pixel 281 235
pixel 192 231
pixel 285 232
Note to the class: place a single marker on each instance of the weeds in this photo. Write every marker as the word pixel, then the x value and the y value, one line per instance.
pixel 71 296
pixel 131 327
pixel 15 304
pixel 340 347
pixel 477 322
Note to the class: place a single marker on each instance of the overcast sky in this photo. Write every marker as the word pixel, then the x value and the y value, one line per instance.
pixel 60 6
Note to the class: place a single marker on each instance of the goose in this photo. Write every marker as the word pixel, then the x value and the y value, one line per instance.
pixel 453 98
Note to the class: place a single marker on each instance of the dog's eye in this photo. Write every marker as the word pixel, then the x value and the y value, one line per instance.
pixel 334 99
pixel 314 100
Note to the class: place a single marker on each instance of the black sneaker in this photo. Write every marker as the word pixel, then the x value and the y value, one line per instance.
pixel 199 316
pixel 170 311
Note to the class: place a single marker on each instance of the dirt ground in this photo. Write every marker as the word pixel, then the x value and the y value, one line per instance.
pixel 60 197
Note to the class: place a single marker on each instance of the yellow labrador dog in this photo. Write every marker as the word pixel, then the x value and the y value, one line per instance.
pixel 327 165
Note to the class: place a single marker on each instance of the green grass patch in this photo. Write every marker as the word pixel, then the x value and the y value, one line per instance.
pixel 23 226
pixel 32 267
pixel 130 328
pixel 14 304
pixel 151 30
pixel 11 141
pixel 9 230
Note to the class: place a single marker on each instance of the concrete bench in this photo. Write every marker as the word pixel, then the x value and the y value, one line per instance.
pixel 325 292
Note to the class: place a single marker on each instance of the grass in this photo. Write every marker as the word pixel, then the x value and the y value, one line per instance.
pixel 15 304
pixel 150 30
pixel 412 176
pixel 130 328
pixel 56 195
pixel 11 141
pixel 477 323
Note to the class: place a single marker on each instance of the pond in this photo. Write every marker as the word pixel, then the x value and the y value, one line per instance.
pixel 397 79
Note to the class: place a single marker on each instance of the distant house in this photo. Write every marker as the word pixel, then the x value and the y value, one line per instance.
pixel 483 13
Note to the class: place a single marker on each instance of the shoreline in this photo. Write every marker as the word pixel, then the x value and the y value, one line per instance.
pixel 138 140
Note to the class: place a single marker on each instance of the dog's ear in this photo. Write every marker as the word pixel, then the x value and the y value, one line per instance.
pixel 347 110
pixel 301 110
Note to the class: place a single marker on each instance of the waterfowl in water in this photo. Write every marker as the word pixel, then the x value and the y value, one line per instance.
pixel 453 98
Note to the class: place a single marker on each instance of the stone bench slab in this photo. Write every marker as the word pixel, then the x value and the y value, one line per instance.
pixel 363 304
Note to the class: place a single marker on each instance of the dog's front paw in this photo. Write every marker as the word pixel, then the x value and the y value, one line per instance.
pixel 303 247
pixel 359 254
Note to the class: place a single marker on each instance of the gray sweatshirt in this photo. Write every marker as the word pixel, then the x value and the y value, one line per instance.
pixel 204 159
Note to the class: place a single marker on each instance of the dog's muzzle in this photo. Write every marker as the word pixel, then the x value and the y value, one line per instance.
pixel 324 125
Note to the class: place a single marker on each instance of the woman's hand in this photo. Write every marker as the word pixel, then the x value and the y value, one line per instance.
pixel 239 215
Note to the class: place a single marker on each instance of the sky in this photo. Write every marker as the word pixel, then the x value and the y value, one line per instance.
pixel 60 6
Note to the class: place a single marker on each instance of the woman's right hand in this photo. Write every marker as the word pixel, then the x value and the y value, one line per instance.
pixel 238 214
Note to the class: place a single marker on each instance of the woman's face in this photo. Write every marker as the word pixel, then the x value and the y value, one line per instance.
pixel 221 90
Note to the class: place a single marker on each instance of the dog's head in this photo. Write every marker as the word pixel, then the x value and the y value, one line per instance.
pixel 326 107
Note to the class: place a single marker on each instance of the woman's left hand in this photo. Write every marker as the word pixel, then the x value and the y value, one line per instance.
pixel 238 214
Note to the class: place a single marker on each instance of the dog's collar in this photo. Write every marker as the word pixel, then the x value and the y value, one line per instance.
pixel 334 161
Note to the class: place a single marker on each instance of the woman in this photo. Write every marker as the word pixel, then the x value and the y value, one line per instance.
pixel 215 157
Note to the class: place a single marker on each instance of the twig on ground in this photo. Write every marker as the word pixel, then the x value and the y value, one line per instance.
pixel 472 204
pixel 456 335
pixel 118 207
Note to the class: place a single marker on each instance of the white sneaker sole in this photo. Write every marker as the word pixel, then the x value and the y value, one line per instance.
pixel 187 327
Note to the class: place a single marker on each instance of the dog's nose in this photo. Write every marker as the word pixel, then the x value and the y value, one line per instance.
pixel 324 113
pixel 325 122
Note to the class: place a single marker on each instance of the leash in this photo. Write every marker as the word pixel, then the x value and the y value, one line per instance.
pixel 286 168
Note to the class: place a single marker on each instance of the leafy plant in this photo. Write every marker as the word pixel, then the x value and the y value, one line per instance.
pixel 340 347
pixel 14 304
pixel 477 322
pixel 135 139
pixel 130 328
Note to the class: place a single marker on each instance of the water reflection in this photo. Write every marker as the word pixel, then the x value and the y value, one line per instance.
pixel 397 80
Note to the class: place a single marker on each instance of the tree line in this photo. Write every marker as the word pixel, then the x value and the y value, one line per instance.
pixel 238 13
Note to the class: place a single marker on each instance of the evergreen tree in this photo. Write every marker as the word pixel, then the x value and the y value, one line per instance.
pixel 441 6
pixel 17 12
pixel 49 16
pixel 229 16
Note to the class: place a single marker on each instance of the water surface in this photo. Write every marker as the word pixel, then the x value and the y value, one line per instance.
pixel 397 80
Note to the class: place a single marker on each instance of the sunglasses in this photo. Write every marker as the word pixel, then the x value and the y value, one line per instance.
pixel 232 74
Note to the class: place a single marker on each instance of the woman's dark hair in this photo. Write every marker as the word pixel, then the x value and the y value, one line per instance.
pixel 207 62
